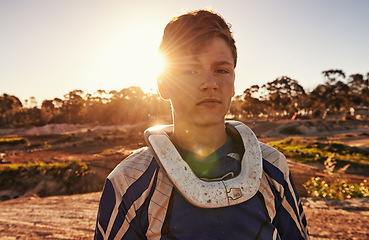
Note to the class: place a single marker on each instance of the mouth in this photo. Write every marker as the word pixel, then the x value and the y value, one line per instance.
pixel 209 102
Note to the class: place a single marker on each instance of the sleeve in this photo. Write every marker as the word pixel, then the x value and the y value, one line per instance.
pixel 106 209
pixel 123 207
pixel 113 220
pixel 288 218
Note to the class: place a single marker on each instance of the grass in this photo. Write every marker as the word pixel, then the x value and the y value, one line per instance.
pixel 66 177
pixel 337 157
pixel 12 141
pixel 56 170
pixel 339 190
pixel 305 150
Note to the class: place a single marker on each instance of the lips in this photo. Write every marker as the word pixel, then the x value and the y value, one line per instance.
pixel 209 102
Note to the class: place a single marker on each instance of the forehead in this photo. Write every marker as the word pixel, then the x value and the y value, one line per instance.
pixel 216 50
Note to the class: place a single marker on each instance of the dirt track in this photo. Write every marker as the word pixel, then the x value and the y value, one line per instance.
pixel 73 217
pixel 60 217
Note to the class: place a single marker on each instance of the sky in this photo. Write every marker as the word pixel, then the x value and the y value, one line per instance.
pixel 49 48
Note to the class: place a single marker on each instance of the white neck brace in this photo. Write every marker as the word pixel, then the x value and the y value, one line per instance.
pixel 201 193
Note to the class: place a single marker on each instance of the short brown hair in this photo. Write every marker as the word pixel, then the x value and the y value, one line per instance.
pixel 190 32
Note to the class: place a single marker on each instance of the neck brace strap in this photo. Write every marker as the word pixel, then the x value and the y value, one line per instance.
pixel 213 194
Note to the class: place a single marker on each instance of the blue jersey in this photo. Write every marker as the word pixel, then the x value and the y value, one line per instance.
pixel 140 202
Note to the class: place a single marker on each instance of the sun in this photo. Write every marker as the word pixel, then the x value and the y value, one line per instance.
pixel 129 57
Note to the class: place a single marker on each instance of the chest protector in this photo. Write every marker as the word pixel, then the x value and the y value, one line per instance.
pixel 209 194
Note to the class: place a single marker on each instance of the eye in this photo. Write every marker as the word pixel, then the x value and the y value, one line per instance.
pixel 222 71
pixel 190 72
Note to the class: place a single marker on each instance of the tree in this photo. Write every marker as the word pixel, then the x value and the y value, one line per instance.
pixel 252 106
pixel 330 97
pixel 358 89
pixel 47 110
pixel 332 75
pixel 73 107
pixel 284 95
pixel 9 106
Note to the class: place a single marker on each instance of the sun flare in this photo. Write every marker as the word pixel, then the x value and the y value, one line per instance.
pixel 130 57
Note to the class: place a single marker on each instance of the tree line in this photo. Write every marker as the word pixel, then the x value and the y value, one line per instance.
pixel 281 98
pixel 286 98
pixel 130 105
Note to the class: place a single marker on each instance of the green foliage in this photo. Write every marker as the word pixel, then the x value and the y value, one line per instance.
pixel 12 141
pixel 306 151
pixel 68 176
pixel 338 190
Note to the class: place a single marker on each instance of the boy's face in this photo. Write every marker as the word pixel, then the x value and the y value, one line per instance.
pixel 200 86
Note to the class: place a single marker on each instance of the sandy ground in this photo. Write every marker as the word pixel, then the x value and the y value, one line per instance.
pixel 73 217
pixel 59 217
pixel 337 219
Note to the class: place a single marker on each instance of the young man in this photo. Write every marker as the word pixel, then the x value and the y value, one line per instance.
pixel 203 177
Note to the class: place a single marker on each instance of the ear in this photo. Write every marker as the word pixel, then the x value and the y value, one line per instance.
pixel 162 88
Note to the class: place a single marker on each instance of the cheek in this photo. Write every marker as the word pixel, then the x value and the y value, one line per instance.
pixel 228 87
pixel 182 89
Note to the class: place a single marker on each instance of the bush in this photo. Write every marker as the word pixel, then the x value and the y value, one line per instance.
pixel 340 189
pixel 47 179
pixel 318 188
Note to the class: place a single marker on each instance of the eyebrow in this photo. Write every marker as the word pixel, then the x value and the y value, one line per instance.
pixel 196 59
pixel 223 63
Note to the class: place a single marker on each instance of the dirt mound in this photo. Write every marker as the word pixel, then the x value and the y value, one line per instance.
pixel 53 129
pixel 282 128
pixel 48 180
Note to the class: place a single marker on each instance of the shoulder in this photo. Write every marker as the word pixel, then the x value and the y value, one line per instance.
pixel 132 168
pixel 273 159
pixel 139 160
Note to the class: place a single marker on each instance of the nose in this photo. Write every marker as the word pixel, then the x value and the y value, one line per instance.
pixel 210 82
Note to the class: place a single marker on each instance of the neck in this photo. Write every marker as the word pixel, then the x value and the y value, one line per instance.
pixel 202 140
